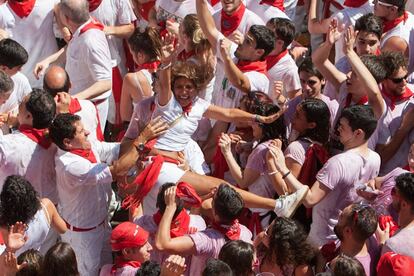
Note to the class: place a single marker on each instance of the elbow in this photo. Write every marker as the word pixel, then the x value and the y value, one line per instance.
pixel 158 245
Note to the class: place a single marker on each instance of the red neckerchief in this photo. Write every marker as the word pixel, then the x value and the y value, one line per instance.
pixel 87 154
pixel 382 222
pixel 232 232
pixel 214 2
pixel 74 106
pixel 120 262
pixel 354 3
pixel 94 4
pixel 184 55
pixel 271 60
pixel 327 7
pixel 37 135
pixel 248 66
pixel 93 24
pixel 229 23
pixel 388 25
pixel 153 65
pixel 394 99
pixel 179 225
pixel 188 195
pixel 363 100
pixel 275 3
pixel 187 108
pixel 23 8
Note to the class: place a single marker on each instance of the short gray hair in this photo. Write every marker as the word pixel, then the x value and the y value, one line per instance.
pixel 76 10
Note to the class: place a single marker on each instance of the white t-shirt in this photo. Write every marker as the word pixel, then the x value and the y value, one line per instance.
pixel 20 90
pixel 402 30
pixel 34 33
pixel 90 118
pixel 264 11
pixel 175 10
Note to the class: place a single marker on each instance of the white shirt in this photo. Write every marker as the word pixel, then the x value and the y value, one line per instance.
pixel 88 60
pixel 402 30
pixel 34 33
pixel 175 10
pixel 22 156
pixel 20 90
pixel 264 11
pixel 89 117
pixel 249 19
pixel 85 187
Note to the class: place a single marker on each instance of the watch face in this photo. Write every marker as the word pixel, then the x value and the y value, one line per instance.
pixel 141 147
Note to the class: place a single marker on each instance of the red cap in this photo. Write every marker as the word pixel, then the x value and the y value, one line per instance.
pixel 128 235
pixel 392 264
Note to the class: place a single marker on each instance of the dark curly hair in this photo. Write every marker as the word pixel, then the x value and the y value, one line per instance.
pixel 288 245
pixel 18 201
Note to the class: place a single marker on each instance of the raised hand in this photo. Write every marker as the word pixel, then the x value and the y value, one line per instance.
pixel 168 48
pixel 237 37
pixel 225 48
pixel 169 197
pixel 349 39
pixel 225 143
pixel 173 266
pixel 271 118
pixel 334 32
pixel 16 238
pixel 278 93
pixel 154 128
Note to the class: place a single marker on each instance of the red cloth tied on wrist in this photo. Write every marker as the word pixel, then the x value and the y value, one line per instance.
pixel 275 3
pixel 93 24
pixel 394 99
pixel 229 23
pixel 40 136
pixel 85 153
pixel 188 195
pixel 22 8
pixel 179 225
pixel 74 106
pixel 382 222
pixel 388 25
pixel 128 235
pixel 248 66
pixel 232 232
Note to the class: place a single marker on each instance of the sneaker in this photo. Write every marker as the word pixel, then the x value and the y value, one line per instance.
pixel 286 205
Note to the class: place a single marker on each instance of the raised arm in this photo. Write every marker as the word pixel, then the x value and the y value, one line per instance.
pixel 314 25
pixel 167 51
pixel 207 23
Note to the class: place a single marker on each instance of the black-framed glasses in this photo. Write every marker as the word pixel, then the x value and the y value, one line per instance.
pixel 399 80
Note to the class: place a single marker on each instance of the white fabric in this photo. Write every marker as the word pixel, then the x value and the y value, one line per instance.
pixel 195 158
pixel 22 156
pixel 402 30
pixel 175 10
pixel 285 70
pixel 343 66
pixel 88 60
pixel 249 19
pixel 88 114
pixel 264 11
pixel 21 89
pixel 290 8
pixel 34 33
pixel 103 110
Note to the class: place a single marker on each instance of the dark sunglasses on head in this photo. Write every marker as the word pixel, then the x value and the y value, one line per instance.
pixel 399 80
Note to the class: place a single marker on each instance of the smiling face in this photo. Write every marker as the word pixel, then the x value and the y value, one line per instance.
pixel 80 141
pixel 396 84
pixel 184 90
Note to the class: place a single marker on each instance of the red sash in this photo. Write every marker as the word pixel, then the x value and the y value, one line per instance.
pixel 40 136
pixel 272 60
pixel 388 25
pixel 354 3
pixel 394 99
pixel 275 3
pixel 23 8
pixel 94 4
pixel 179 225
pixel 184 56
pixel 93 24
pixel 232 232
pixel 74 106
pixel 361 101
pixel 116 92
pixel 99 134
pixel 87 154
pixel 248 66
pixel 229 23
pixel 120 262
pixel 149 65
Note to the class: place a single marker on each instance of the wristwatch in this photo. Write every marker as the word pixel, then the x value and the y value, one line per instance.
pixel 140 147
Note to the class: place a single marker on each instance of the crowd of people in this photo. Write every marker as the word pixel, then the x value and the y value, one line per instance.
pixel 206 137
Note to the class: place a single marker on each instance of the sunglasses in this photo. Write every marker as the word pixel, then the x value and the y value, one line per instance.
pixel 399 80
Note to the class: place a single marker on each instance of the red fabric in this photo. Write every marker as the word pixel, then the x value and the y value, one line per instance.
pixel 327 7
pixel 330 250
pixel 393 99
pixel 1 239
pixel 255 224
pixel 99 134
pixel 220 164
pixel 149 65
pixel 388 25
pixel 232 232
pixel 23 8
pixel 214 2
pixel 144 9
pixel 179 225
pixel 301 3
pixel 271 60
pixel 117 91
pixel 93 24
pixel 187 108
pixel 129 60
pixel 383 220
pixel 184 55
pixel 275 3
pixel 74 106
pixel 146 180
pixel 378 51
pixel 361 101
pixel 248 66
pixel 187 194
pixel 128 235
pixel 120 262
pixel 354 3
pixel 392 264
pixel 94 4
pixel 87 154
pixel 229 23
pixel 40 136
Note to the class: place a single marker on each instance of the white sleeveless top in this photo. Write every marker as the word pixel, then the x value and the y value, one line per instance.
pixel 148 76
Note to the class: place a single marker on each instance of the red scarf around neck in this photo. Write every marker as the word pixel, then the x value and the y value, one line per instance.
pixel 388 25
pixel 40 136
pixel 354 3
pixel 394 99
pixel 275 3
pixel 93 24
pixel 152 65
pixel 232 232
pixel 272 60
pixel 94 4
pixel 179 225
pixel 363 100
pixel 187 108
pixel 229 23
pixel 184 55
pixel 120 262
pixel 248 66
pixel 74 106
pixel 23 8
pixel 87 154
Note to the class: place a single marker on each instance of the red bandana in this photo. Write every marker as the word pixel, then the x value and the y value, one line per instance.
pixel 23 8
pixel 388 25
pixel 272 60
pixel 94 4
pixel 232 232
pixel 363 100
pixel 214 2
pixel 187 108
pixel 248 66
pixel 179 225
pixel 354 3
pixel 229 23
pixel 120 262
pixel 87 154
pixel 188 195
pixel 74 106
pixel 37 135
pixel 394 99
pixel 184 56
pixel 275 3
pixel 93 24
pixel 149 65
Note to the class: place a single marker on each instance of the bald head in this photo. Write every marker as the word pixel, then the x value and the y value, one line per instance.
pixel 56 80
pixel 76 10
